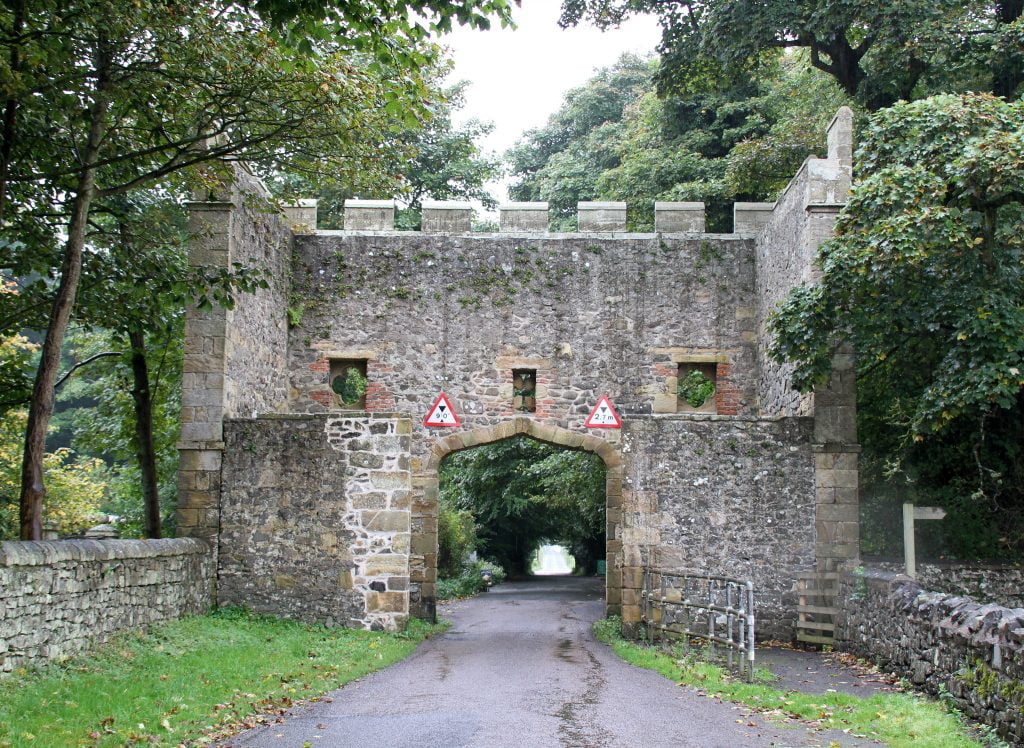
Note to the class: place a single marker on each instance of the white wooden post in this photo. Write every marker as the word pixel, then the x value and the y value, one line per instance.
pixel 911 513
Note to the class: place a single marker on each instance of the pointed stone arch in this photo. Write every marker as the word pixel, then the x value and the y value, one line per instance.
pixel 424 525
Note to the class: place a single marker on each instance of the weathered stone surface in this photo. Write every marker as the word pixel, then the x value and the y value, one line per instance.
pixel 942 643
pixel 1002 584
pixel 59 597
pixel 446 217
pixel 684 218
pixel 734 490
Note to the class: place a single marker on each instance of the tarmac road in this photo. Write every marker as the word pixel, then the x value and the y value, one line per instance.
pixel 519 667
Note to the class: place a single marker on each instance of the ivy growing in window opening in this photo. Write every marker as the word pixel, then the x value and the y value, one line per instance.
pixel 524 390
pixel 349 386
pixel 696 388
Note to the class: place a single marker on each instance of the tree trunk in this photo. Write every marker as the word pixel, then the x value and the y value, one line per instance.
pixel 145 451
pixel 41 408
pixel 1007 75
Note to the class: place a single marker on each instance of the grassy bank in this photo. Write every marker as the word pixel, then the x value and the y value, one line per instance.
pixel 898 719
pixel 190 680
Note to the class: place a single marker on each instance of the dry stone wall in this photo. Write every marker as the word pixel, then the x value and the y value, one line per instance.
pixel 57 598
pixel 987 583
pixel 948 645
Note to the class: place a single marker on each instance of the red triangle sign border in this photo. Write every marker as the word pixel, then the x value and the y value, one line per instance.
pixel 431 419
pixel 615 423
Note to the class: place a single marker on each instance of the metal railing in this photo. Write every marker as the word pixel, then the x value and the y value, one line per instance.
pixel 717 610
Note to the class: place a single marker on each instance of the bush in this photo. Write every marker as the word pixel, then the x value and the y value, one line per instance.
pixel 469 582
pixel 456 539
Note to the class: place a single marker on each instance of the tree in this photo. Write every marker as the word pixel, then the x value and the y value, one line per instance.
pixel 879 53
pixel 561 162
pixel 522 492
pixel 924 279
pixel 122 94
pixel 434 160
pixel 740 144
pixel 77 484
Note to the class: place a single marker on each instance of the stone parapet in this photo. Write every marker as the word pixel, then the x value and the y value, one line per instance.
pixel 60 597
pixel 750 218
pixel 301 216
pixel 601 216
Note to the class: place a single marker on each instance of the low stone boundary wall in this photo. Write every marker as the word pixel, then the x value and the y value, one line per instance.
pixel 987 583
pixel 942 643
pixel 59 597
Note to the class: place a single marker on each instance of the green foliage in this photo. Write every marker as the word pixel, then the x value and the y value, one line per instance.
pixel 196 680
pixel 456 539
pixel 878 52
pixel 895 719
pixel 98 413
pixel 615 139
pixel 350 386
pixel 469 580
pixel 77 484
pixel 695 388
pixel 523 493
pixel 924 279
pixel 432 159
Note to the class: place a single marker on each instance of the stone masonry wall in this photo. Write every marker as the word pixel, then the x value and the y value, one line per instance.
pixel 256 344
pixel 728 496
pixel 235 360
pixel 803 217
pixel 57 598
pixel 590 312
pixel 310 500
pixel 942 643
pixel 987 583
pixel 316 518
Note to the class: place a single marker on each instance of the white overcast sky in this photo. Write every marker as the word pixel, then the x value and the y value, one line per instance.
pixel 518 77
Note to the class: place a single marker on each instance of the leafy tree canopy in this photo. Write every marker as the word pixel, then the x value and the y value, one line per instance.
pixel 614 139
pixel 878 52
pixel 924 279
pixel 522 492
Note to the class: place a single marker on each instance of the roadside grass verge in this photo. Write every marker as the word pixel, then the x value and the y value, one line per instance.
pixel 190 681
pixel 898 719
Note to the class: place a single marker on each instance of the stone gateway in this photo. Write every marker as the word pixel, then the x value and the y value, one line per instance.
pixel 320 498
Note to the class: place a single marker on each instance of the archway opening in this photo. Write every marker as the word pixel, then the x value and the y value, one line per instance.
pixel 527 506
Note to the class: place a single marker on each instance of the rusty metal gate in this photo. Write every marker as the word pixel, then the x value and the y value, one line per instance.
pixel 687 606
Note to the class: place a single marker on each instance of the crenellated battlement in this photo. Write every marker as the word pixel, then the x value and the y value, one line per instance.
pixel 451 217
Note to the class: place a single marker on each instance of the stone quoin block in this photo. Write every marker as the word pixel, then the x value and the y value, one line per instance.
pixel 679 218
pixel 749 218
pixel 531 217
pixel 369 215
pixel 601 216
pixel 446 217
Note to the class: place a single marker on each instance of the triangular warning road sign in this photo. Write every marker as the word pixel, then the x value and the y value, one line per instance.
pixel 603 416
pixel 442 413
